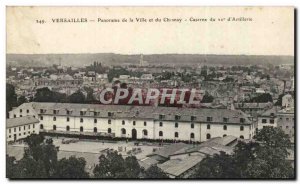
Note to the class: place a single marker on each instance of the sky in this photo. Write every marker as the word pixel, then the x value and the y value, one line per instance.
pixel 271 31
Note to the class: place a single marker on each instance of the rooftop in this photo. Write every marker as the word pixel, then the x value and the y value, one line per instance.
pixel 14 122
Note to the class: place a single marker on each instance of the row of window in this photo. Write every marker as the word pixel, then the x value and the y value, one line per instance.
pixel 81 128
pixel 145 123
pixel 225 127
pixel 27 111
pixel 24 127
pixel 23 133
pixel 265 121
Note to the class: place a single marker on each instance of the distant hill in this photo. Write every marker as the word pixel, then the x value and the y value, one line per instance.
pixel 78 60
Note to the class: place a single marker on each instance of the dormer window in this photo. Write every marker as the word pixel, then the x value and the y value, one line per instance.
pixel 55 111
pixel 209 119
pixel 109 114
pixel 41 111
pixel 161 116
pixel 225 120
pixel 242 120
pixel 193 118
pixel 272 114
pixel 177 117
pixel 68 112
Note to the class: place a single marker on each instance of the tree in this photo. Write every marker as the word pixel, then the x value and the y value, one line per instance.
pixel 114 166
pixel 265 158
pixel 263 98
pixel 11 97
pixel 21 100
pixel 279 100
pixel 46 95
pixel 154 172
pixel 71 168
pixel 40 152
pixel 10 167
pixel 218 166
pixel 207 98
pixel 77 97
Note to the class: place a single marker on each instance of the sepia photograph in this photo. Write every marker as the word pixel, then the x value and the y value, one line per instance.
pixel 150 93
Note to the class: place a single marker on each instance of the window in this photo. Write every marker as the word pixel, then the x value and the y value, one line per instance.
pixel 19 134
pixel 15 116
pixel 208 126
pixel 109 130
pixel 123 122
pixel 20 115
pixel 68 128
pixel 177 117
pixel 41 118
pixel 54 118
pixel 224 135
pixel 20 110
pixel 224 127
pixel 193 118
pixel 123 131
pixel 41 126
pixel 109 114
pixel 81 129
pixel 207 136
pixel 24 127
pixel 145 123
pixel 19 128
pixel 225 120
pixel 242 137
pixel 192 135
pixel 133 123
pixel 54 127
pixel 145 132
pixel 161 116
pixel 160 124
pixel 109 121
pixel 192 125
pixel 160 133
pixel 28 127
pixel 95 120
pixel 15 130
pixel 209 119
pixel 287 119
pixel 95 129
pixel 95 113
pixel 264 121
pixel 41 111
pixel 176 125
pixel 68 112
pixel 81 120
pixel 272 114
pixel 287 127
pixel 68 119
pixel 242 120
pixel 54 112
pixel 241 128
pixel 24 133
pixel 272 121
pixel 176 134
pixel 9 130
pixel 81 113
pixel 27 111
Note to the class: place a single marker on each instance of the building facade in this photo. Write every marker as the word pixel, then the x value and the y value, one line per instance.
pixel 138 122
pixel 21 127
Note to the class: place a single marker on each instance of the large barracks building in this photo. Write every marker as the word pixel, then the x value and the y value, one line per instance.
pixel 137 122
